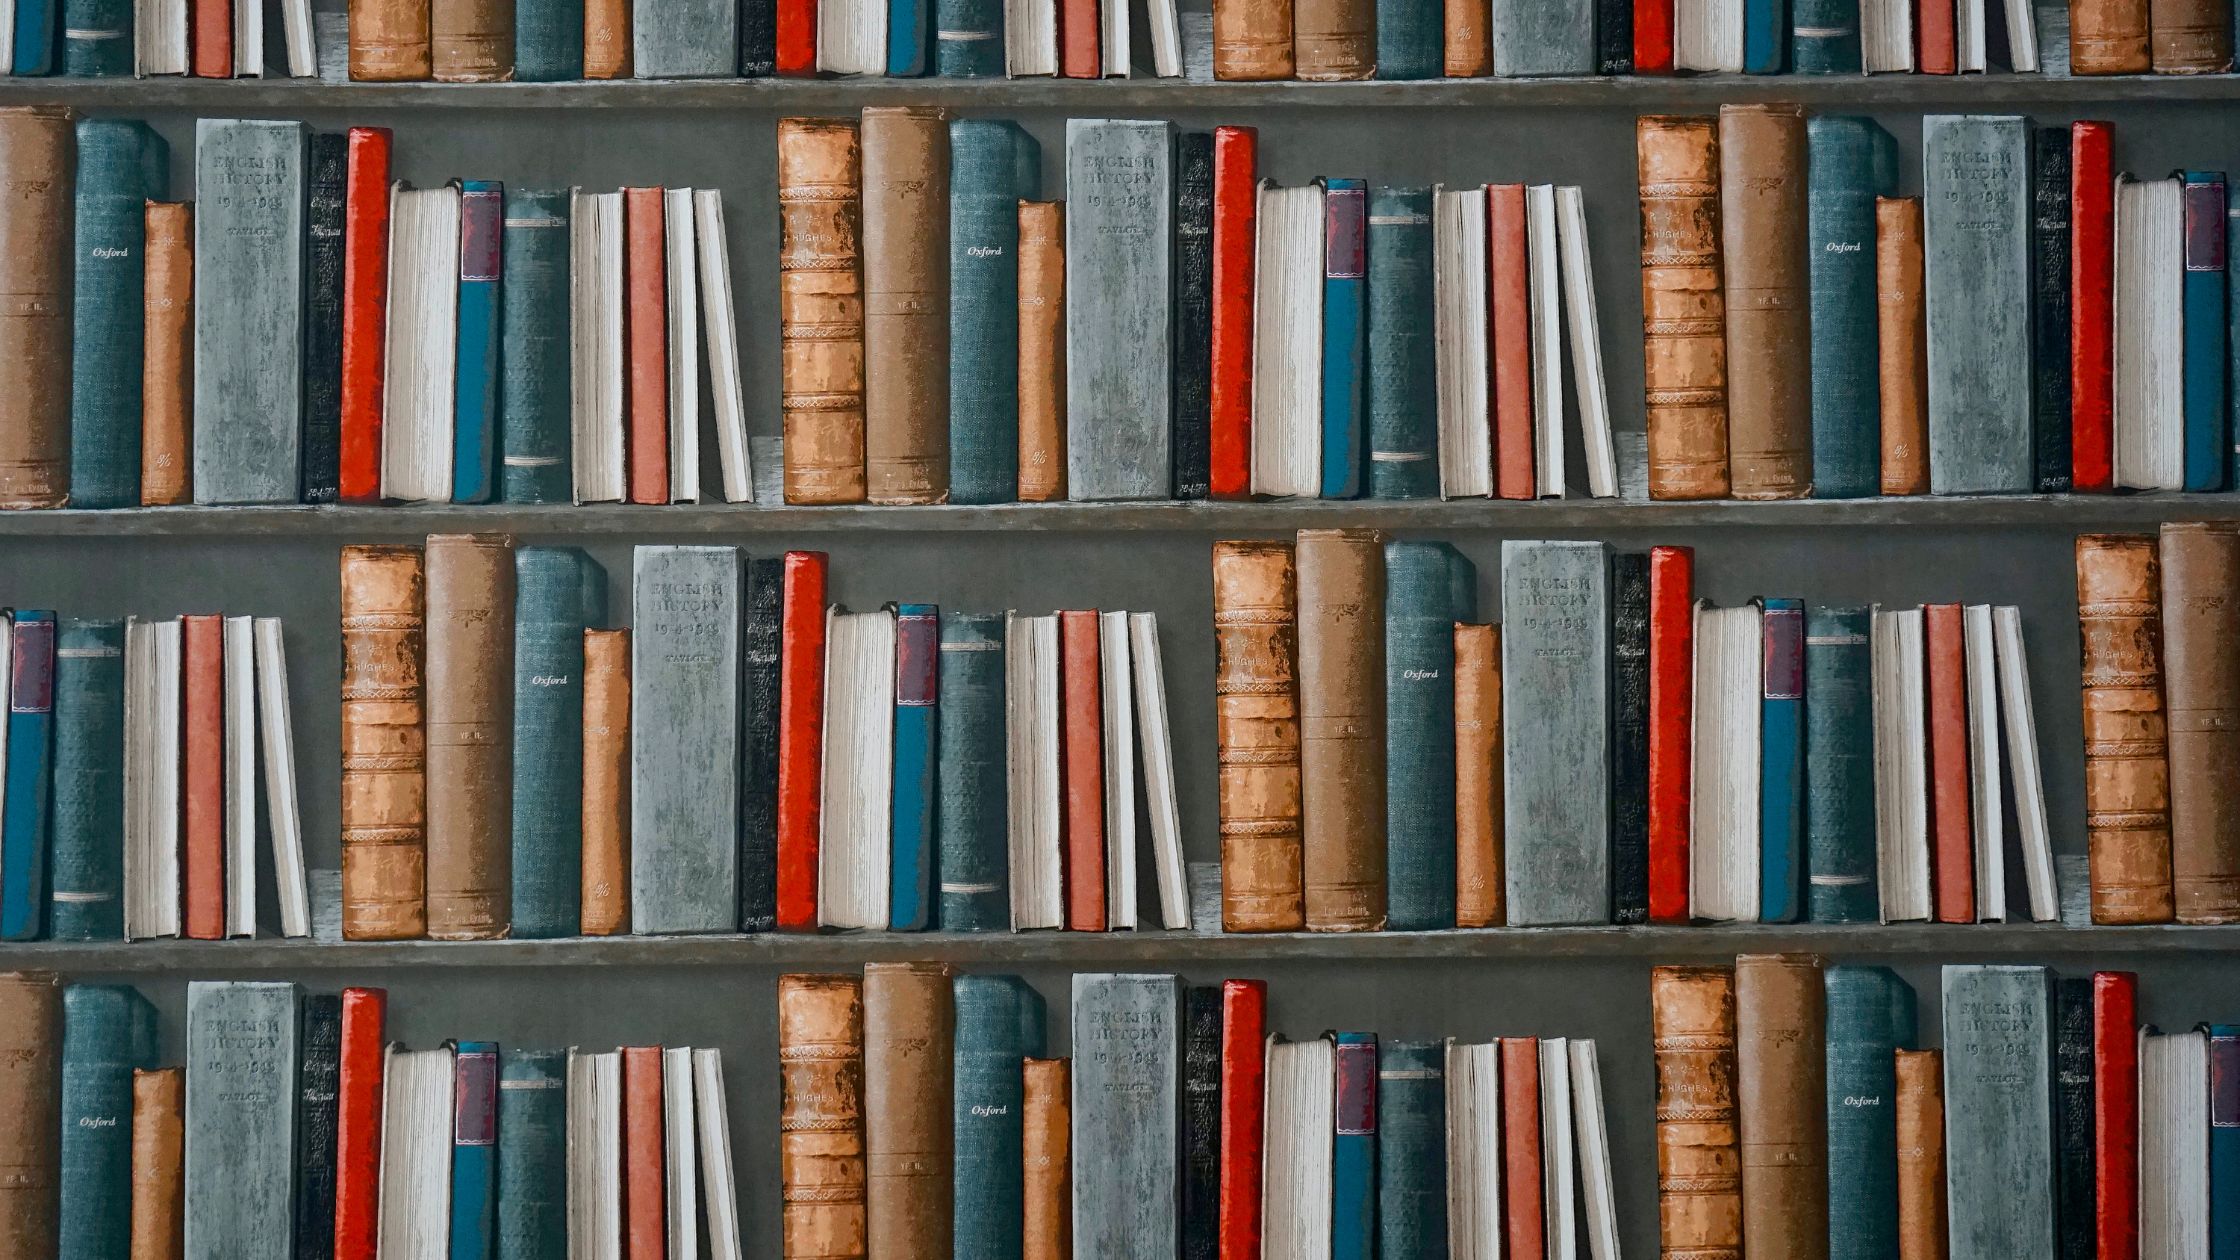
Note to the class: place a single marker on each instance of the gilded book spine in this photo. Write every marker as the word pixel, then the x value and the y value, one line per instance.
pixel 2126 738
pixel 1683 308
pixel 1699 1157
pixel 820 1117
pixel 1256 718
pixel 384 745
pixel 820 309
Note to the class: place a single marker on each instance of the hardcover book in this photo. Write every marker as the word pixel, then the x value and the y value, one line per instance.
pixel 1870 1017
pixel 1852 161
pixel 1998 1083
pixel 107 1032
pixel 684 723
pixel 993 165
pixel 1119 304
pixel 1126 1087
pixel 242 1064
pixel 121 167
pixel 559 592
pixel 1555 618
pixel 1000 1022
pixel 1977 197
pixel 249 310
pixel 1429 586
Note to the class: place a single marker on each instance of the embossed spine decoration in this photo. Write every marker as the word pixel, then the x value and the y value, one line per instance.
pixel 1699 1161
pixel 820 1117
pixel 384 747
pixel 1683 308
pixel 1256 720
pixel 2126 739
pixel 820 309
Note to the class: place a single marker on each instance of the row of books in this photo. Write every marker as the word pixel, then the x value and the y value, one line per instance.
pixel 296 1128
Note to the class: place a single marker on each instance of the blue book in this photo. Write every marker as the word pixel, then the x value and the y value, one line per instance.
pixel 87 869
pixel 1345 333
pixel 1428 587
pixel 907 35
pixel 2232 315
pixel 35 33
pixel 993 165
pixel 558 593
pixel 547 40
pixel 1850 161
pixel 107 1031
pixel 533 1155
pixel 968 39
pixel 1781 778
pixel 917 693
pixel 1411 39
pixel 974 804
pixel 2224 1141
pixel 1824 37
pixel 1353 1154
pixel 1870 1017
pixel 2208 430
pixel 533 376
pixel 1839 767
pixel 474 432
pixel 1765 35
pixel 1412 1151
pixel 23 814
pixel 1000 1021
pixel 121 167
pixel 474 1151
pixel 97 39
pixel 1403 385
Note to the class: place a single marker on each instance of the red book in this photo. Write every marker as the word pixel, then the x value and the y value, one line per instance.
pixel 2092 308
pixel 1951 812
pixel 797 37
pixel 1652 36
pixel 357 1124
pixel 645 320
pixel 1672 662
pixel 800 736
pixel 2115 1113
pixel 1244 1034
pixel 1520 1143
pixel 211 37
pixel 645 1204
pixel 1081 741
pixel 1509 341
pixel 1937 52
pixel 1236 208
pixel 365 309
pixel 1080 39
pixel 202 689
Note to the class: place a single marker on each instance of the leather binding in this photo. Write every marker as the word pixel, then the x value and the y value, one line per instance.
pixel 820 1116
pixel 470 41
pixel 2072 1116
pixel 1699 1169
pixel 1048 1156
pixel 820 309
pixel 1671 728
pixel 324 218
pixel 1839 760
pixel 606 782
pixel 470 735
pixel 1079 43
pixel 2201 694
pixel 2115 1114
pixel 906 303
pixel 1467 51
pixel 1252 40
pixel 319 1085
pixel 1256 728
pixel 85 894
pixel 2049 322
pixel 202 739
pixel 646 330
pixel 1480 887
pixel 1762 214
pixel 644 1173
pixel 1780 1075
pixel 909 1059
pixel 760 654
pixel 1520 1145
pixel 357 1128
pixel 794 37
pixel 1235 215
pixel 1353 1174
pixel 37 159
pixel 2092 262
pixel 1042 351
pixel 390 40
pixel 159 1140
pixel 607 47
pixel 1509 336
pixel 1334 39
pixel 2189 36
pixel 1244 1029
pixel 1902 333
pixel 1950 814
pixel 1629 737
pixel 1193 313
pixel 800 736
pixel 30 1102
pixel 1081 706
pixel 1341 731
pixel 1935 39
pixel 2108 37
pixel 2126 743
pixel 210 37
pixel 1202 1014
pixel 365 306
pixel 167 356
pixel 1683 307
pixel 384 748
pixel 1921 1214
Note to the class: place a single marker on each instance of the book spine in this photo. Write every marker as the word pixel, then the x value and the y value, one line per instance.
pixel 646 330
pixel 240 1141
pixel 906 236
pixel 1870 1017
pixel 1629 737
pixel 537 354
pixel 700 39
pixel 1235 211
pixel 558 593
pixel 999 1022
pixel 1613 36
pixel 326 211
pixel 1048 1155
pixel 1078 40
pixel 1509 344
pixel 1902 335
pixel 1683 307
pixel 606 782
pixel 158 1163
pixel 2072 1115
pixel 1244 1014
pixel 97 38
pixel 87 899
pixel 210 37
pixel 2201 654
pixel 2115 1113
pixel 1124 1200
pixel 1081 743
pixel 2208 429
pixel 760 658
pixel 1780 1090
pixel 1977 276
pixel 167 364
pixel 1042 351
pixel 1781 811
pixel 358 1106
pixel 1419 734
pixel 202 855
pixel 1523 1208
pixel 917 689
pixel 820 1112
pixel 1839 749
pixel 2224 1139
pixel 107 1031
pixel 2049 281
pixel 684 740
pixel 1402 387
pixel 909 1053
pixel 1411 1150
pixel 365 305
pixel 1353 1158
pixel 1671 728
pixel 31 1029
pixel 319 1091
pixel 470 41
pixel 968 39
pixel 608 50
pixel 470 735
pixel 973 814
pixel 532 1154
pixel 1920 1125
pixel 1344 334
pixel 2126 735
pixel 1556 786
pixel 547 41
pixel 1256 723
pixel 2108 37
pixel 1252 39
pixel 1542 38
pixel 1202 1018
pixel 644 1156
pixel 109 287
pixel 36 157
pixel 1998 1109
pixel 1952 839
pixel 800 736
pixel 384 745
pixel 1119 296
pixel 2189 38
pixel 2091 296
pixel 1765 29
pixel 1825 37
pixel 984 194
pixel 821 321
pixel 475 396
pixel 1193 315
pixel 1410 37
pixel 1935 39
pixel 1652 36
pixel 248 308
pixel 389 40
pixel 1480 893
pixel 1341 670
pixel 1764 226
pixel 1851 161
pixel 794 38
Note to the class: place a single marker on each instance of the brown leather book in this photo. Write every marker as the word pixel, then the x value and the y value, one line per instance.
pixel 202 776
pixel 2190 36
pixel 167 356
pixel 1256 728
pixel 1042 351
pixel 384 747
pixel 1520 1145
pixel 1469 40
pixel 820 1116
pixel 1081 704
pixel 606 782
pixel 1781 1053
pixel 2108 37
pixel 471 41
pixel 30 1101
pixel 1683 307
pixel 2201 695
pixel 1048 1119
pixel 1902 346
pixel 606 39
pixel 390 40
pixel 645 317
pixel 909 1038
pixel 1334 39
pixel 645 1234
pixel 1951 808
pixel 159 1098
pixel 1252 39
pixel 906 303
pixel 1920 1119
pixel 1768 300
pixel 38 162
pixel 1341 728
pixel 1479 885
pixel 470 736
pixel 820 309
pixel 2126 740
pixel 1699 1161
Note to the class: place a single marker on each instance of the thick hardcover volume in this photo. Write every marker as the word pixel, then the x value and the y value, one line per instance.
pixel 2189 37
pixel 1244 1027
pixel 1839 758
pixel 971 814
pixel 1780 1078
pixel 1952 841
pixel 1533 38
pixel 1613 36
pixel 1411 1150
pixel 1081 705
pixel 1935 40
pixel 474 449
pixel 908 1050
pixel 1870 1017
pixel 1652 37
pixel 761 652
pixel 2201 695
pixel 698 40
pixel 800 737
pixel 1235 212
pixel 86 870
pixel 1851 162
pixel 1201 1122
pixel 607 46
pixel 1047 1152
pixel 1124 1200
pixel 606 782
pixel 31 1071
pixel 474 1146
pixel 906 303
pixel 820 1116
pixel 1998 1082
pixel 1256 727
pixel 107 1031
pixel 533 397
pixel 2108 37
pixel 2049 321
pixel 318 1094
pixel 1976 199
pixel 121 167
pixel 820 309
pixel 1683 308
pixel 1672 631
pixel 1480 889
pixel 1403 407
pixel 390 40
pixel 1902 332
pixel 644 1163
pixel 684 740
pixel 158 1164
pixel 1629 737
pixel 1353 1161
pixel 2115 1114
pixel 470 735
pixel 1042 357
pixel 248 310
pixel 1341 579
pixel 646 324
pixel 968 39
pixel 241 1113
pixel 36 159
pixel 96 39
pixel 1920 1125
pixel 2072 1115
pixel 1824 37
pixel 1334 39
pixel 1763 211
pixel 1422 583
pixel 1524 1211
pixel 2126 742
pixel 167 366
pixel 2092 263
pixel 1119 302
pixel 1193 314
pixel 1509 328
pixel 2207 432
pixel 1555 632
pixel 548 41
pixel 532 1154
pixel 365 307
pixel 559 592
pixel 202 844
pixel 999 1022
pixel 384 748
pixel 1252 40
pixel 917 666
pixel 357 1185
pixel 1345 333
pixel 325 215
pixel 993 163
pixel 1410 37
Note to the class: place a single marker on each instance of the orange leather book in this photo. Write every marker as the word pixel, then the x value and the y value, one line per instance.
pixel 470 41
pixel 1469 40
pixel 606 39
pixel 906 303
pixel 1683 307
pixel 1699 1164
pixel 384 745
pixel 645 1217
pixel 645 318
pixel 2190 36
pixel 820 1117
pixel 1781 1053
pixel 159 1100
pixel 210 35
pixel 2201 694
pixel 470 736
pixel 1509 340
pixel 1341 729
pixel 202 786
pixel 606 782
pixel 1333 39
pixel 30 1102
pixel 1951 816
pixel 1256 728
pixel 1520 1143
pixel 1920 1115
pixel 1902 332
pixel 390 40
pixel 39 153
pixel 1480 892
pixel 909 1041
pixel 820 309
pixel 2126 733
pixel 1252 39
pixel 1048 1117
pixel 1042 351
pixel 2108 37
pixel 1081 696
pixel 1762 206
pixel 167 356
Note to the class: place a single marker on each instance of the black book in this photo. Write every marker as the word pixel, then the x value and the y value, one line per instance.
pixel 1193 315
pixel 758 756
pixel 1201 1123
pixel 758 38
pixel 1613 36
pixel 2049 278
pixel 2072 1116
pixel 318 1085
pixel 322 320
pixel 1629 737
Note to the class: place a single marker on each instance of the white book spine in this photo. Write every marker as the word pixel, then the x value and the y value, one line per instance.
pixel 1726 738
pixel 1984 800
pixel 1287 343
pixel 283 811
pixel 2023 767
pixel 1886 36
pixel 583 294
pixel 606 1145
pixel 1591 1134
pixel 1116 53
pixel 1559 1191
pixel 303 53
pixel 681 1166
pixel 1030 38
pixel 1901 767
pixel 1157 743
pixel 1117 693
pixel 609 361
pixel 679 236
pixel 2149 349
pixel 1547 339
pixel 1166 39
pixel 852 37
pixel 1458 282
pixel 720 323
pixel 163 781
pixel 1474 1154
pixel 423 344
pixel 415 1182
pixel 2173 1145
pixel 139 760
pixel 580 1180
pixel 240 716
pixel 248 39
pixel 1585 329
pixel 718 1183
pixel 858 790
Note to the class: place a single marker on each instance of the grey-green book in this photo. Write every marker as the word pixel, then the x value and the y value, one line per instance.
pixel 1119 308
pixel 1976 258
pixel 1127 1058
pixel 248 310
pixel 1555 724
pixel 684 740
pixel 1998 1111
pixel 240 1123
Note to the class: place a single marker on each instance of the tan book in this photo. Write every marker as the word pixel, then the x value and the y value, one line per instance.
pixel 906 303
pixel 159 1098
pixel 2108 37
pixel 167 356
pixel 390 40
pixel 1341 728
pixel 820 1117
pixel 471 41
pixel 909 1040
pixel 2126 737
pixel 606 782
pixel 1334 39
pixel 470 736
pixel 38 160
pixel 820 309
pixel 1699 1159
pixel 1920 1122
pixel 2190 36
pixel 1768 300
pixel 30 1101
pixel 2201 696
pixel 1479 884
pixel 1468 44
pixel 607 48
pixel 1252 39
pixel 1683 308
pixel 1902 345
pixel 384 747
pixel 1781 1059
pixel 1048 1119
pixel 1256 728
pixel 1042 351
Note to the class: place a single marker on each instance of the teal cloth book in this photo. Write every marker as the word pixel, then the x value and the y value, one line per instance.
pixel 121 166
pixel 1412 1151
pixel 917 671
pixel 533 390
pixel 2224 1140
pixel 532 1155
pixel 968 40
pixel 2232 314
pixel 547 40
pixel 1353 1153
pixel 1870 1016
pixel 1781 777
pixel 97 39
pixel 1850 161
pixel 1411 39
pixel 474 1150
pixel 1422 582
pixel 34 35
pixel 907 32
pixel 993 165
pixel 1839 767
pixel 558 593
pixel 107 1031
pixel 1765 35
pixel 972 809
pixel 1824 37
pixel 2208 432
pixel 86 871
pixel 474 426
pixel 1000 1021
pixel 1345 333
pixel 1403 385
pixel 23 812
